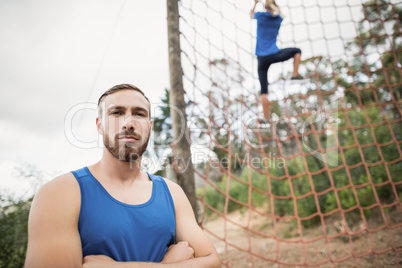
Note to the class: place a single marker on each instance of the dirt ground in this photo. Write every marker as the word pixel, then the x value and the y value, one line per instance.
pixel 258 245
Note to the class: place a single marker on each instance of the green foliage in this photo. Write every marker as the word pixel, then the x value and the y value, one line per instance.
pixel 238 190
pixel 163 125
pixel 364 135
pixel 306 206
pixel 396 171
pixel 295 166
pixel 13 232
pixel 214 198
pixel 346 198
pixel 366 196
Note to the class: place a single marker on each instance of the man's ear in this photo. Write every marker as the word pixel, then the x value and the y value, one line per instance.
pixel 99 125
pixel 151 125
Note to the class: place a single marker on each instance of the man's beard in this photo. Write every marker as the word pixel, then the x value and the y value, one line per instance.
pixel 127 152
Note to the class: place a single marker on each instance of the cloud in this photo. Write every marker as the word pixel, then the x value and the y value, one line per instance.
pixel 53 53
pixel 57 54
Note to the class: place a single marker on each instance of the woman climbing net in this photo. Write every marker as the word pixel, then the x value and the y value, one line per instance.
pixel 267 52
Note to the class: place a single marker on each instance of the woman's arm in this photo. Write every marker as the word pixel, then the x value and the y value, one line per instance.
pixel 253 10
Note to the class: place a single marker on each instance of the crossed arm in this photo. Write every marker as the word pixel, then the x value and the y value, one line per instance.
pixel 54 240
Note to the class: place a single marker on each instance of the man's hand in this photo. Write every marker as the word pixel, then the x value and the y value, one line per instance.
pixel 178 252
pixel 96 261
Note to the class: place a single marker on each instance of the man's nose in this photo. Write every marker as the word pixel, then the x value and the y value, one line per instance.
pixel 129 124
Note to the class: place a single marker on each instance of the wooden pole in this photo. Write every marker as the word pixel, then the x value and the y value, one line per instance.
pixel 182 151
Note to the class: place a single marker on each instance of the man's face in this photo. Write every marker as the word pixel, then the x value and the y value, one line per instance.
pixel 125 124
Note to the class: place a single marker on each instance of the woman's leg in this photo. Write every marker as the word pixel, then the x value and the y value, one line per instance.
pixel 286 54
pixel 296 63
pixel 265 105
pixel 263 66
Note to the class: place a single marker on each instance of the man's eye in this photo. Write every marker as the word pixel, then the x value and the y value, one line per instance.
pixel 140 114
pixel 116 113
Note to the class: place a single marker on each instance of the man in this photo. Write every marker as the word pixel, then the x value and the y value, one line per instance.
pixel 112 214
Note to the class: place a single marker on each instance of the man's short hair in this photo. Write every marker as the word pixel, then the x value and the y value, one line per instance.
pixel 119 88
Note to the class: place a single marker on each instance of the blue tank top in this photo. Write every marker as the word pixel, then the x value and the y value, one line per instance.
pixel 121 231
pixel 267 33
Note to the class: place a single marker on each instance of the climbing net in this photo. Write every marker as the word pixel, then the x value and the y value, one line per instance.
pixel 320 183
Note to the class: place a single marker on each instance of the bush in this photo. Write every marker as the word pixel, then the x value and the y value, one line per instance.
pixel 14 233
pixel 238 190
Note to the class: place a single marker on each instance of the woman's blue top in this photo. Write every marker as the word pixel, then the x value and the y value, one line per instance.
pixel 267 32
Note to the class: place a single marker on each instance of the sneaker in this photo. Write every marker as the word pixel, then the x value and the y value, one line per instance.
pixel 263 123
pixel 264 120
pixel 298 77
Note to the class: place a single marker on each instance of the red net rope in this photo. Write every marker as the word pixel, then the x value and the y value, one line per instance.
pixel 320 184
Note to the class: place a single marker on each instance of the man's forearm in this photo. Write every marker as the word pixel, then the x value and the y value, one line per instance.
pixel 206 261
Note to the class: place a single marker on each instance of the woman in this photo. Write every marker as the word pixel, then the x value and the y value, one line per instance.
pixel 268 24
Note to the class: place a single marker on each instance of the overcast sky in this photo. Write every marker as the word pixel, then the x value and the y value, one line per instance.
pixel 55 55
pixel 58 57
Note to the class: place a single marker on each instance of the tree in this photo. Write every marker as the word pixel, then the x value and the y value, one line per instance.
pixel 184 173
pixel 13 232
pixel 163 126
pixel 14 213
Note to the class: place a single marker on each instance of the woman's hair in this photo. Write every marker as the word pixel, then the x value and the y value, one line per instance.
pixel 272 7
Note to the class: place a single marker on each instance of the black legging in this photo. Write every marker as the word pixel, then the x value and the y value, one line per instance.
pixel 266 61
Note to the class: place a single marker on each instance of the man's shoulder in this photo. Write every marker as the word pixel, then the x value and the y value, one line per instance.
pixel 62 185
pixel 62 180
pixel 169 182
pixel 173 187
pixel 57 201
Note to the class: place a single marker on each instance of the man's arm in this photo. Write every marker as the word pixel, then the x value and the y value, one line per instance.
pixel 175 253
pixel 188 230
pixel 53 238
